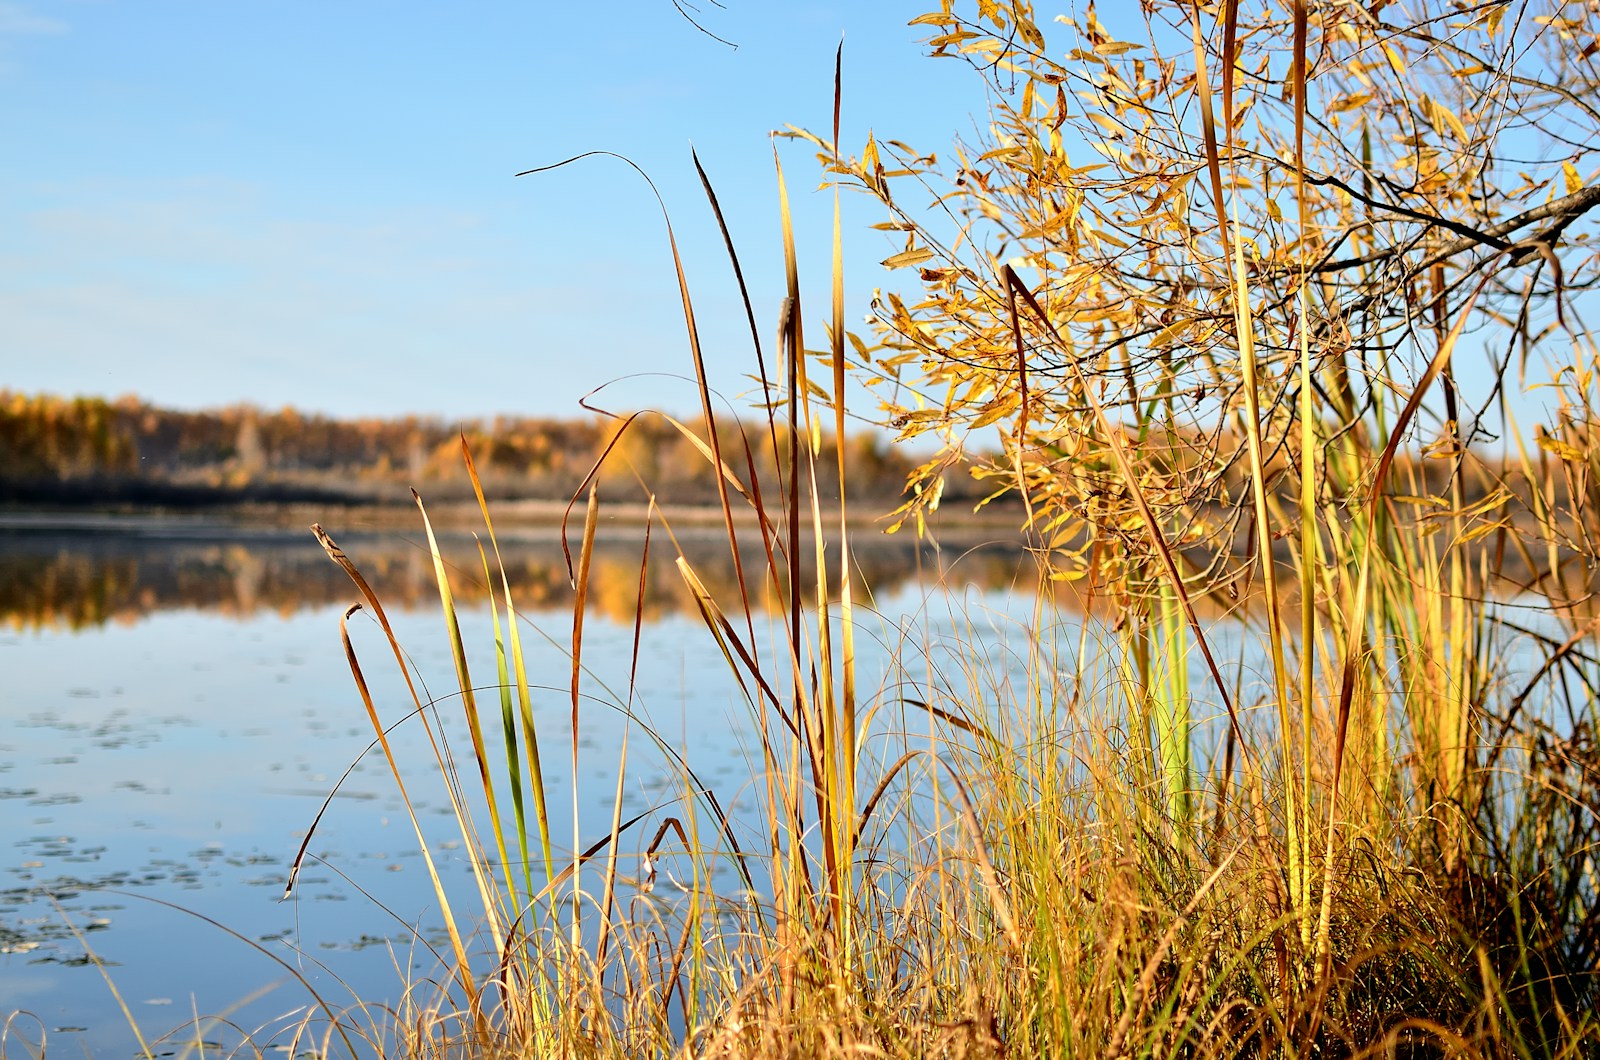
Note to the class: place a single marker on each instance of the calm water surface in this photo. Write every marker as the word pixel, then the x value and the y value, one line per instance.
pixel 177 705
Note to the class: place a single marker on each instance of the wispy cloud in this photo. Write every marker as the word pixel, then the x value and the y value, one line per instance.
pixel 16 20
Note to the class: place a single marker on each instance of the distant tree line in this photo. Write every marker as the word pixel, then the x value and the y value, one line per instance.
pixel 88 449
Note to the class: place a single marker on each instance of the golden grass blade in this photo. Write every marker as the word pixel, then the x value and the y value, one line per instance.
pixel 793 881
pixel 950 719
pixel 824 727
pixel 589 480
pixel 588 854
pixel 508 730
pixel 382 740
pixel 792 347
pixel 339 557
pixel 744 289
pixel 638 603
pixel 608 886
pixel 847 632
pixel 609 889
pixel 1310 542
pixel 580 602
pixel 469 704
pixel 530 736
pixel 458 948
pixel 1299 827
pixel 882 787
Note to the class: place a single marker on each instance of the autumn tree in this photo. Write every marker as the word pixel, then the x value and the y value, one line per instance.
pixel 1237 236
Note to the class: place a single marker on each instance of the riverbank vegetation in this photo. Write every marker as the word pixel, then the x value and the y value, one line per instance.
pixel 1243 289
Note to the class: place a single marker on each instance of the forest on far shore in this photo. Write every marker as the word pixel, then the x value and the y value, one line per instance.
pixel 91 450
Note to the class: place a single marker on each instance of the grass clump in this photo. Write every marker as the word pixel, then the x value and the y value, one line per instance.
pixel 1307 768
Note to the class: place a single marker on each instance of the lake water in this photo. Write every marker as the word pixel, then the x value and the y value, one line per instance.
pixel 177 705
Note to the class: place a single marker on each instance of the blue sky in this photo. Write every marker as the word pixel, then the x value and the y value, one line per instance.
pixel 314 203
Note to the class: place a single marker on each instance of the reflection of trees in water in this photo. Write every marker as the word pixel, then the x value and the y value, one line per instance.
pixel 78 580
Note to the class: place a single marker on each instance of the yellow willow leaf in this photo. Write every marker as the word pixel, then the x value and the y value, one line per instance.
pixel 1090 316
pixel 921 416
pixel 1344 103
pixel 1574 181
pixel 1454 122
pixel 869 155
pixel 1430 113
pixel 1560 449
pixel 1067 533
pixel 997 409
pixel 908 258
pixel 1115 47
pixel 1167 335
pixel 1000 153
pixel 1396 62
